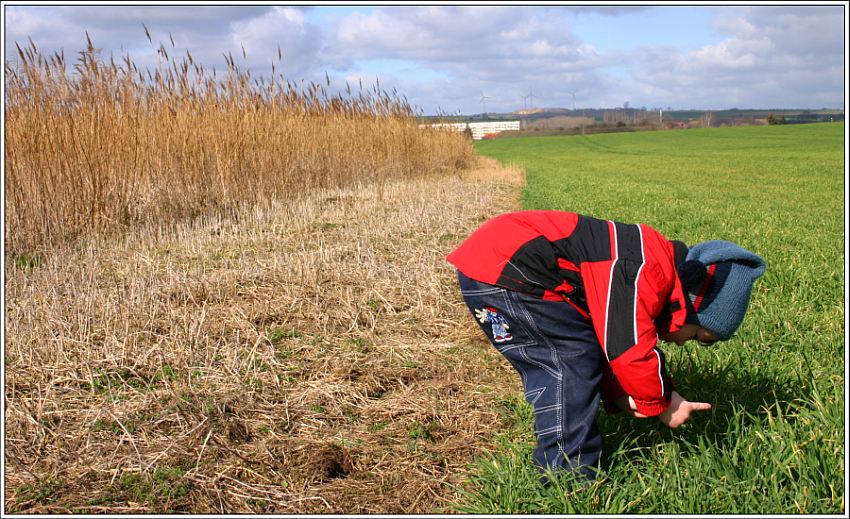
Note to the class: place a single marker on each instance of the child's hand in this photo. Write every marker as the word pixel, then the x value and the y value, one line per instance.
pixel 627 404
pixel 679 410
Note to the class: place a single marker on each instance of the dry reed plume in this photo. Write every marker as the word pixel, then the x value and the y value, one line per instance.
pixel 108 145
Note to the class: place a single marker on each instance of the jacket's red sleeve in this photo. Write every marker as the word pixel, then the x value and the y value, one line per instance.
pixel 624 296
pixel 611 389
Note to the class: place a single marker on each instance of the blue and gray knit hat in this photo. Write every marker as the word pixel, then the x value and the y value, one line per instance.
pixel 718 277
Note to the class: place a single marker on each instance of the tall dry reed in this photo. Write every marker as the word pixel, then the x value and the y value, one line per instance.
pixel 107 145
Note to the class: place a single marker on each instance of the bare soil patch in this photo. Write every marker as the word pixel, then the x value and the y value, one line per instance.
pixel 300 357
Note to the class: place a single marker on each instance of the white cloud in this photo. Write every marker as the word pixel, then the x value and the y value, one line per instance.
pixel 42 27
pixel 505 50
pixel 281 27
pixel 207 32
pixel 781 55
pixel 769 57
pixel 729 54
pixel 117 26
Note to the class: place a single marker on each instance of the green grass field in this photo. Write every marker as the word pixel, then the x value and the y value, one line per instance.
pixel 774 441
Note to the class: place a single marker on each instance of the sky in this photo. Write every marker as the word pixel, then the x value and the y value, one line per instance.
pixel 469 58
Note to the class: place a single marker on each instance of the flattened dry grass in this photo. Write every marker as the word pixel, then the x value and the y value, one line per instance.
pixel 309 356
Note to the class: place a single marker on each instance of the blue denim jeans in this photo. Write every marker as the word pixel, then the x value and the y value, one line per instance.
pixel 556 353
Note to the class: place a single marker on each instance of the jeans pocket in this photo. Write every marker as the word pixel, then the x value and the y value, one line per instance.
pixel 498 317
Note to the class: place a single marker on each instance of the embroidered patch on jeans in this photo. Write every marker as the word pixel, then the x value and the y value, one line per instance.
pixel 500 325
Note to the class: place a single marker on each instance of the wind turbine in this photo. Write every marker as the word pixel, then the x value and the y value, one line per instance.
pixel 574 112
pixel 484 103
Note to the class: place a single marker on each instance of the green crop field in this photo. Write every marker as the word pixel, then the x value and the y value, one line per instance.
pixel 774 442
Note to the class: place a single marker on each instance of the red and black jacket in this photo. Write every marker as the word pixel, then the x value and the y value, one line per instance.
pixel 620 276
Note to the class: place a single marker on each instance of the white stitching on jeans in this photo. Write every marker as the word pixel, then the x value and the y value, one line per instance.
pixel 556 362
pixel 545 409
pixel 546 432
pixel 482 291
pixel 555 374
pixel 534 395
pixel 514 346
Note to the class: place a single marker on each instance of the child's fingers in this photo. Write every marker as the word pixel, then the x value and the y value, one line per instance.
pixel 700 406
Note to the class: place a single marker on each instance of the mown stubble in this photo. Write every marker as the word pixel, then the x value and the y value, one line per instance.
pixel 303 356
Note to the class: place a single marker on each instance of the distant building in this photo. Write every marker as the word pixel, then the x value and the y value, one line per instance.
pixel 479 130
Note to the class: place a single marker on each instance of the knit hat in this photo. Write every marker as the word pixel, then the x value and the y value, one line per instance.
pixel 718 277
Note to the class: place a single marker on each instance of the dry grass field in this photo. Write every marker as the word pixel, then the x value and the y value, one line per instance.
pixel 227 295
pixel 293 357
